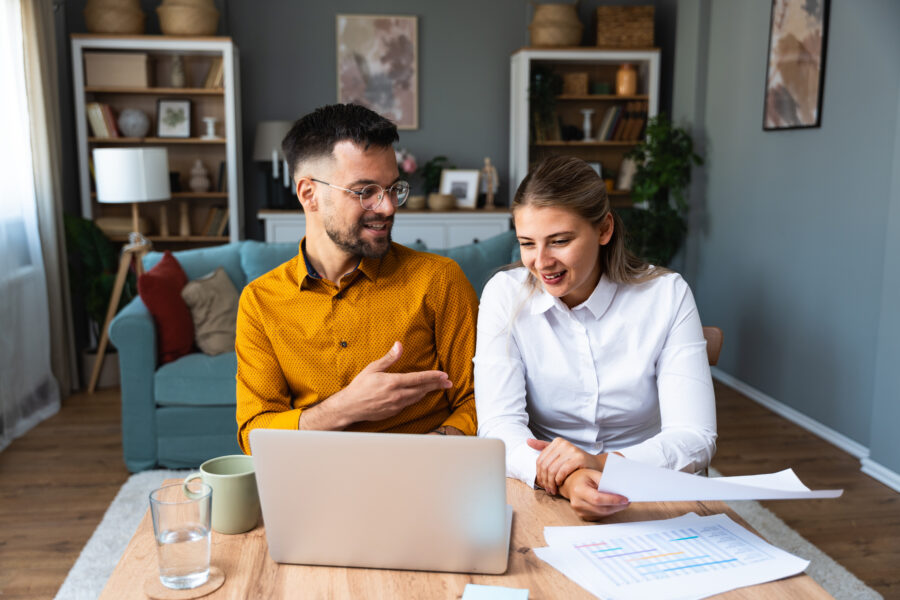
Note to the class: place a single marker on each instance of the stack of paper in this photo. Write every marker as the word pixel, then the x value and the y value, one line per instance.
pixel 681 558
pixel 643 483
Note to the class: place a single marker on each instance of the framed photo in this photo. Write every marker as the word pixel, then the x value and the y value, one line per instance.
pixel 795 72
pixel 173 118
pixel 378 65
pixel 462 183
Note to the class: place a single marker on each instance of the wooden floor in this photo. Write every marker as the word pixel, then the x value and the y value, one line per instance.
pixel 57 481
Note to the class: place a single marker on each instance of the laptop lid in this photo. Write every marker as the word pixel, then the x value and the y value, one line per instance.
pixel 379 500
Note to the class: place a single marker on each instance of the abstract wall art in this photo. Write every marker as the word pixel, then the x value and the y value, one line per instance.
pixel 377 65
pixel 796 66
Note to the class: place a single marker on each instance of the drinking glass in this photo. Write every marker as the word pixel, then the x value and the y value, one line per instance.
pixel 181 522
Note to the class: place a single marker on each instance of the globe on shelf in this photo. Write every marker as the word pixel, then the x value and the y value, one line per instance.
pixel 133 123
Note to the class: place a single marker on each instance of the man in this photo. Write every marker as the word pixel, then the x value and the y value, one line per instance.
pixel 355 333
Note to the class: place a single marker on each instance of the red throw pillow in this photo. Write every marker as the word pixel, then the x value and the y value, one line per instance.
pixel 160 289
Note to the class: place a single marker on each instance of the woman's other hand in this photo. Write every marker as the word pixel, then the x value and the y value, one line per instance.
pixel 588 503
pixel 559 459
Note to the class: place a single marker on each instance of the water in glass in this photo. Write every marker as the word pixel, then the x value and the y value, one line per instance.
pixel 183 557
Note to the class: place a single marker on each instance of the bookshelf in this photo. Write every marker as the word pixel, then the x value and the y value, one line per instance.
pixel 212 86
pixel 528 146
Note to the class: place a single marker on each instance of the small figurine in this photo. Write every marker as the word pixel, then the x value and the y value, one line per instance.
pixel 490 182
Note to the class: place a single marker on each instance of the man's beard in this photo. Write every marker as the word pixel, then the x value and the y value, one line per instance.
pixel 352 242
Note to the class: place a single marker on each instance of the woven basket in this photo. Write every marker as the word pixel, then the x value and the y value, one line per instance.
pixel 114 20
pixel 625 26
pixel 175 19
pixel 575 84
pixel 198 3
pixel 555 25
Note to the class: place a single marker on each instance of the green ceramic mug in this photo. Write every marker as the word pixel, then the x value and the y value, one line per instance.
pixel 235 501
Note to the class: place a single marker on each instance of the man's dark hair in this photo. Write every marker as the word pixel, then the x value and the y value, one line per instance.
pixel 315 134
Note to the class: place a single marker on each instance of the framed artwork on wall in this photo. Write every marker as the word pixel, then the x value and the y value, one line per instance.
pixel 378 65
pixel 173 118
pixel 462 183
pixel 795 72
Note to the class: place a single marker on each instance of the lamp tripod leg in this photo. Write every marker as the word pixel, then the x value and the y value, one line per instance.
pixel 124 263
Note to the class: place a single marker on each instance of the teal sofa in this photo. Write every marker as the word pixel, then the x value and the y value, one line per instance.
pixel 182 413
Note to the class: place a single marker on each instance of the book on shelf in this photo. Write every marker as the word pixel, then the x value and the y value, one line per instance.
pixel 222 181
pixel 110 119
pixel 608 117
pixel 214 221
pixel 96 120
pixel 216 73
pixel 223 225
pixel 621 133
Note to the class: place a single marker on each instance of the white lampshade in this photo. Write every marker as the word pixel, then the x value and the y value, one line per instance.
pixel 269 135
pixel 131 174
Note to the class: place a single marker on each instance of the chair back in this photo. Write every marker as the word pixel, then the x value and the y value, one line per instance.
pixel 713 337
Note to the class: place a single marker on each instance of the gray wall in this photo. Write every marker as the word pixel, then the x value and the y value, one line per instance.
pixel 794 245
pixel 287 63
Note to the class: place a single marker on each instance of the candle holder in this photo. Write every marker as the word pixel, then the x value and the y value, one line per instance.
pixel 587 112
pixel 210 128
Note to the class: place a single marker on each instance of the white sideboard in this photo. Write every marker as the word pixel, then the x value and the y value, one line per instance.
pixel 432 228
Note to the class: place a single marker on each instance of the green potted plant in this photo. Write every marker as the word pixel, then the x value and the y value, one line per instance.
pixel 543 89
pixel 93 262
pixel 664 158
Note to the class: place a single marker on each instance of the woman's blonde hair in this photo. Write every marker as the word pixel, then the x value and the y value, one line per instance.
pixel 570 183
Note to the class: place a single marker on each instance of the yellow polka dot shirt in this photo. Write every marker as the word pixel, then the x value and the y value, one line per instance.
pixel 301 339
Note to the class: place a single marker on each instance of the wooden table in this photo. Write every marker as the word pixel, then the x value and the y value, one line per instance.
pixel 251 573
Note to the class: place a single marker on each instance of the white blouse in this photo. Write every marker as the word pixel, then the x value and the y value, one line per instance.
pixel 624 371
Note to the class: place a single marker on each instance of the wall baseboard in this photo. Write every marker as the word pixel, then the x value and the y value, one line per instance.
pixel 868 466
pixel 881 473
pixel 826 433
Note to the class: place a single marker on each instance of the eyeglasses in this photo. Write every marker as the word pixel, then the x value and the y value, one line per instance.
pixel 370 196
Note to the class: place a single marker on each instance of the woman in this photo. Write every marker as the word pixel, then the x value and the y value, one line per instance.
pixel 585 349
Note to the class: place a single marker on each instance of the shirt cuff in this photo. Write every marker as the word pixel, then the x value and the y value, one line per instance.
pixel 522 464
pixel 289 419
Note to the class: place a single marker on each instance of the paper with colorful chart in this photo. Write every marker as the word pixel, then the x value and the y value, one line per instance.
pixel 677 559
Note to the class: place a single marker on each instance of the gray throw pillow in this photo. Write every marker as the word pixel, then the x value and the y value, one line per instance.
pixel 213 301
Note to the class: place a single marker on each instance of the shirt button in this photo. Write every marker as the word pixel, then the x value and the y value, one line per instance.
pixel 343 344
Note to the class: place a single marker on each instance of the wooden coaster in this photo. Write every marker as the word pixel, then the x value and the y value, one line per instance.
pixel 154 588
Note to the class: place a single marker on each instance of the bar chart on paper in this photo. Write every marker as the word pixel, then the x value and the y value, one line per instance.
pixel 685 557
pixel 669 554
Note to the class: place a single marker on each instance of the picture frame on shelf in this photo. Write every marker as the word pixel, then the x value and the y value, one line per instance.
pixel 378 65
pixel 173 118
pixel 791 102
pixel 462 183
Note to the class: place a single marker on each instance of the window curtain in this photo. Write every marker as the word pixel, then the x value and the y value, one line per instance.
pixel 28 390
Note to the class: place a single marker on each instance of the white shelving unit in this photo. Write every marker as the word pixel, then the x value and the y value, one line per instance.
pixel 601 66
pixel 222 103
pixel 434 229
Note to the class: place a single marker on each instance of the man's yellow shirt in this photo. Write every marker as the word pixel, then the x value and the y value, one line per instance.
pixel 301 339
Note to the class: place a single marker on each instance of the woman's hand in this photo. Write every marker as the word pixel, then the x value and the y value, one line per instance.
pixel 588 503
pixel 560 458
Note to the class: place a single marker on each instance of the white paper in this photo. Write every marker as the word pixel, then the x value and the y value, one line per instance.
pixel 673 559
pixel 644 483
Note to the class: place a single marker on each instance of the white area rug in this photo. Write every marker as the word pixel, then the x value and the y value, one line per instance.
pixel 101 554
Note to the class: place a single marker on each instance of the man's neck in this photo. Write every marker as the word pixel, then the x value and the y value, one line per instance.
pixel 329 261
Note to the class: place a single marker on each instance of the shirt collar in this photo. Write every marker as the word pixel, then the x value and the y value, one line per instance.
pixel 367 266
pixel 597 303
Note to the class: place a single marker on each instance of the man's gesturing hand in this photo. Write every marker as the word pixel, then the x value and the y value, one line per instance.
pixel 374 395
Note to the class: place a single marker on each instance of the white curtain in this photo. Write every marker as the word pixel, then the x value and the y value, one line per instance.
pixel 28 391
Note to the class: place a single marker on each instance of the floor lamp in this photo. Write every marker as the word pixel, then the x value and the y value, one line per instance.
pixel 127 176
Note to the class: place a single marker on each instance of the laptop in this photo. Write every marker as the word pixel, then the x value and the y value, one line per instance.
pixel 381 500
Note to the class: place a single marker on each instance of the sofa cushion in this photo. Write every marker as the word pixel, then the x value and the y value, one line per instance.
pixel 480 261
pixel 160 290
pixel 200 261
pixel 196 380
pixel 258 258
pixel 213 301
